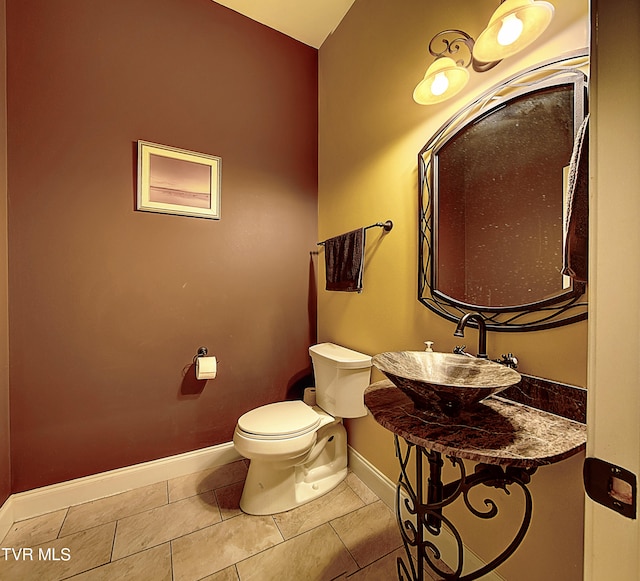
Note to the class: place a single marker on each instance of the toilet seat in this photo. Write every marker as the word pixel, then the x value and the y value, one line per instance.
pixel 275 421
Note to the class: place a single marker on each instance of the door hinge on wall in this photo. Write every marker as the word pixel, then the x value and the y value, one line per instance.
pixel 611 486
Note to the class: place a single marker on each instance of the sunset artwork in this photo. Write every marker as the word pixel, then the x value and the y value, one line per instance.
pixel 179 182
pixel 176 181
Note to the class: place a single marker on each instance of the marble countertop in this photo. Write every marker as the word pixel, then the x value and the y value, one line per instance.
pixel 495 431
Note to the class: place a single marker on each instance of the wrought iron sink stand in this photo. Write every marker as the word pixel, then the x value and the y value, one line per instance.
pixel 428 517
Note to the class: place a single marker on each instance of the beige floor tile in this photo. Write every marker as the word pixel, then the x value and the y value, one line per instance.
pixel 361 489
pixel 341 500
pixel 369 533
pixel 228 574
pixel 383 569
pixel 34 531
pixel 387 568
pixel 75 553
pixel 317 555
pixel 228 498
pixel 221 545
pixel 206 480
pixel 111 508
pixel 151 565
pixel 164 523
pixel 328 538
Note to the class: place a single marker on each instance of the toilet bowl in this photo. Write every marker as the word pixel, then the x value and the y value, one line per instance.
pixel 299 452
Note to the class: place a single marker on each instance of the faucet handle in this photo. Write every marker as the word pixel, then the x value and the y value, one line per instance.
pixel 509 360
pixel 460 350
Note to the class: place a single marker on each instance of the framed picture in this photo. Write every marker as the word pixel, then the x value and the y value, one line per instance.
pixel 176 181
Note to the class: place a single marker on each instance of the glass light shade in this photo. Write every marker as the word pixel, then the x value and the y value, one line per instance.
pixel 501 39
pixel 510 30
pixel 443 79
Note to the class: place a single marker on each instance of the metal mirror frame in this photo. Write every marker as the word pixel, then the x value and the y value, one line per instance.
pixel 562 309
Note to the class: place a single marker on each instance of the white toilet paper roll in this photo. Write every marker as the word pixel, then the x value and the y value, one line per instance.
pixel 309 396
pixel 206 367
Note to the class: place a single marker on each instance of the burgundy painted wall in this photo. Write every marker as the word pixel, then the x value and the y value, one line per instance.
pixel 109 305
pixel 5 452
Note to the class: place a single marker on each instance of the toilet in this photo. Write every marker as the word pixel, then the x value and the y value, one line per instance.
pixel 298 452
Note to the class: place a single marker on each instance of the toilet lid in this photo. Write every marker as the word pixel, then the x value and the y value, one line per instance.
pixel 284 418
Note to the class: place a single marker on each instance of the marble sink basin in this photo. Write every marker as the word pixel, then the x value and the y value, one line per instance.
pixel 446 381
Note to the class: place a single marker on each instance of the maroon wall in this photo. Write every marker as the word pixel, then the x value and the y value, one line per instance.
pixel 109 305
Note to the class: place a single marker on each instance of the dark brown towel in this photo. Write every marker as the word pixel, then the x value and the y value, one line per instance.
pixel 576 249
pixel 344 261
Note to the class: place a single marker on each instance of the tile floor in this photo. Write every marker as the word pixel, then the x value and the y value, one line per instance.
pixel 191 528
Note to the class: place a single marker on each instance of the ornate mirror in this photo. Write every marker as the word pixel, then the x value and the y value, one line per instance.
pixel 494 200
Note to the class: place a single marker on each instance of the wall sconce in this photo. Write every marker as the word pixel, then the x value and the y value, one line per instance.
pixel 513 26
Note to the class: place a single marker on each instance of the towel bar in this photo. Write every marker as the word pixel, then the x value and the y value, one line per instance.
pixel 387 226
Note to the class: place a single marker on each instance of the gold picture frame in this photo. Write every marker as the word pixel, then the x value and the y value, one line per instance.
pixel 177 181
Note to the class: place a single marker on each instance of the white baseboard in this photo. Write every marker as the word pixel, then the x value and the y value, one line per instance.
pixel 39 501
pixel 385 489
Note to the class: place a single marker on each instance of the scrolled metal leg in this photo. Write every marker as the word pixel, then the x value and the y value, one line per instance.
pixel 421 519
pixel 411 533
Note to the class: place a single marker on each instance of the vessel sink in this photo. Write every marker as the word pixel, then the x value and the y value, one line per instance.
pixel 444 381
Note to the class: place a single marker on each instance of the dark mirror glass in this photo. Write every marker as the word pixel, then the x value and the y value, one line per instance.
pixel 500 199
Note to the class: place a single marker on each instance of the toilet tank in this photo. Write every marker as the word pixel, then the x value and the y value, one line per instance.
pixel 341 375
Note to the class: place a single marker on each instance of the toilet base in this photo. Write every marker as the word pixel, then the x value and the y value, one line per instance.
pixel 271 488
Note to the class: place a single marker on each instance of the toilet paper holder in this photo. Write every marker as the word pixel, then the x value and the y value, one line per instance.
pixel 202 351
pixel 206 366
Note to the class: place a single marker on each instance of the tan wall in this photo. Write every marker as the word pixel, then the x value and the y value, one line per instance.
pixel 370 134
pixel 109 305
pixel 5 463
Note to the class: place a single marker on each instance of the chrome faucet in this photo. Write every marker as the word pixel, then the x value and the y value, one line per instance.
pixel 482 332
